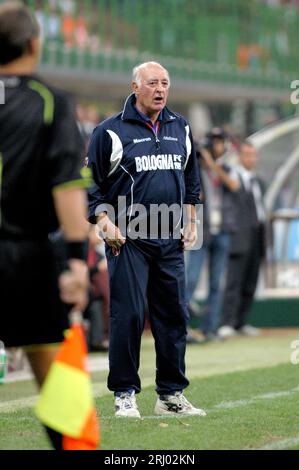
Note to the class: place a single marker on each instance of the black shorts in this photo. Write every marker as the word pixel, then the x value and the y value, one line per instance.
pixel 31 312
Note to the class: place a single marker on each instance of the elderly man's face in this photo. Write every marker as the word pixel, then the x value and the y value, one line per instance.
pixel 152 92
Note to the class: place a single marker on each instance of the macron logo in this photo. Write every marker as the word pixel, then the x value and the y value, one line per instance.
pixel 139 141
pixel 170 138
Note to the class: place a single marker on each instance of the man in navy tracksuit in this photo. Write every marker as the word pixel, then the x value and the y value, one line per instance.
pixel 145 155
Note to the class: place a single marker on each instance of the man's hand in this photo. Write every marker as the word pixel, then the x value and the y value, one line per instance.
pixel 74 283
pixel 111 234
pixel 207 157
pixel 233 184
pixel 189 236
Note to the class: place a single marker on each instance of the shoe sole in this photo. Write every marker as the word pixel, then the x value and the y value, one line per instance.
pixel 173 413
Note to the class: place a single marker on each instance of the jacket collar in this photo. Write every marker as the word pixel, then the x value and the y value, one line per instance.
pixel 130 113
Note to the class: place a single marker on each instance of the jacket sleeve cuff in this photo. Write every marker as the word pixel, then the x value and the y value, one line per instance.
pixel 95 212
pixel 193 200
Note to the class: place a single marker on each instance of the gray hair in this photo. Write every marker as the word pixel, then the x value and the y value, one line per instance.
pixel 138 68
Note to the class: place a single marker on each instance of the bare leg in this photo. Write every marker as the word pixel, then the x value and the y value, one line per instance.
pixel 40 360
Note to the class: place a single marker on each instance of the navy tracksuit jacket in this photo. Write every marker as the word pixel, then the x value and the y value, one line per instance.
pixel 129 159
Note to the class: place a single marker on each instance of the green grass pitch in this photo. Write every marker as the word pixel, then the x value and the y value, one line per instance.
pixel 248 386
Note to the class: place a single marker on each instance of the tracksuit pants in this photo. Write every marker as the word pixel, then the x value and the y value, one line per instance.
pixel 242 277
pixel 152 270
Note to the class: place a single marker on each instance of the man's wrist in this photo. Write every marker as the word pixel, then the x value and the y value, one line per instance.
pixel 77 249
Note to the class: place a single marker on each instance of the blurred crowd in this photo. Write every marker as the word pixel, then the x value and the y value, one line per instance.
pixel 234 238
pixel 65 21
pixel 76 23
pixel 88 117
pixel 97 313
pixel 279 3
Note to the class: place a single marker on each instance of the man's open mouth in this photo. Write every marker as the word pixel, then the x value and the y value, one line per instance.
pixel 158 99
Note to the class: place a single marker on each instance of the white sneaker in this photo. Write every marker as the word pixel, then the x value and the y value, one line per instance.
pixel 176 404
pixel 249 330
pixel 227 331
pixel 126 406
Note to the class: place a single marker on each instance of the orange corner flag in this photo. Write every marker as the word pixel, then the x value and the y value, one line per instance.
pixel 66 401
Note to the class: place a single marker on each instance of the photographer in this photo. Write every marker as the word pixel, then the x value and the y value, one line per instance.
pixel 248 246
pixel 219 181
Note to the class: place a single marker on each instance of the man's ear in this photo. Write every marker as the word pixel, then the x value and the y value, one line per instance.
pixel 34 47
pixel 135 88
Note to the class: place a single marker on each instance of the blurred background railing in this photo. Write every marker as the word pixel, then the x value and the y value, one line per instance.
pixel 282 270
pixel 238 42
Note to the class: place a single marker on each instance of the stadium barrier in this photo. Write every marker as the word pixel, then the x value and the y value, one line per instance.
pixel 227 41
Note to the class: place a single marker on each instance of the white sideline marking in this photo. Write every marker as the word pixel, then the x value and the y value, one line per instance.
pixel 266 396
pixel 98 390
pixel 280 445
pixel 94 364
pixel 28 402
pixel 19 403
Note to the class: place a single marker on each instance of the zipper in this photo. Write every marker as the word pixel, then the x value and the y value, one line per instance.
pixel 155 132
pixel 157 141
pixel 132 191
